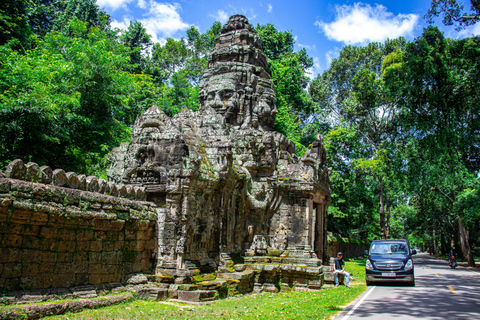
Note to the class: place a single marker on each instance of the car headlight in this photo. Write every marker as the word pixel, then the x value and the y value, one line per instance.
pixel 409 265
pixel 368 265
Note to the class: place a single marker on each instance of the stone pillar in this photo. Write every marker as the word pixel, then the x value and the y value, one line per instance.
pixel 325 256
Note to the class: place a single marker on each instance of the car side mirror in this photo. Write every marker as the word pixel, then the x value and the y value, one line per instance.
pixel 414 252
pixel 365 252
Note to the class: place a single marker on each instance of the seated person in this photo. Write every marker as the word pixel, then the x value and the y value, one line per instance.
pixel 339 268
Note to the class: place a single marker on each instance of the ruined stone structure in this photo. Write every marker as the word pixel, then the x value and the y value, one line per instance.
pixel 226 184
pixel 209 191
pixel 61 229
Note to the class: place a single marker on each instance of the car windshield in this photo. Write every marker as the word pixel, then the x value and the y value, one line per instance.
pixel 388 248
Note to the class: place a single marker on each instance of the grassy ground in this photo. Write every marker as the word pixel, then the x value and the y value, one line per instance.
pixel 323 304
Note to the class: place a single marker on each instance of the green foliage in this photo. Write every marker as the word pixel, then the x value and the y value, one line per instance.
pixel 361 135
pixel 13 22
pixel 139 41
pixel 45 16
pixel 323 304
pixel 68 101
pixel 288 70
pixel 453 12
pixel 441 129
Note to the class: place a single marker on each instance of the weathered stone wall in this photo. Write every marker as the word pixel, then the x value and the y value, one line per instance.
pixel 349 248
pixel 53 236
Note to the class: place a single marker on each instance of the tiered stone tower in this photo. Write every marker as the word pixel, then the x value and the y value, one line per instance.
pixel 229 187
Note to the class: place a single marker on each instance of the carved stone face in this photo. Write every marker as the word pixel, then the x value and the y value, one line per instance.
pixel 266 109
pixel 222 95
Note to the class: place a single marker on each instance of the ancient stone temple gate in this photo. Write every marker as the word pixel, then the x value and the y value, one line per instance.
pixel 227 185
pixel 214 190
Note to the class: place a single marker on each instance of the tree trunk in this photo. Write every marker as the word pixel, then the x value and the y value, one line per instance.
pixel 387 229
pixel 443 242
pixel 382 209
pixel 435 245
pixel 464 242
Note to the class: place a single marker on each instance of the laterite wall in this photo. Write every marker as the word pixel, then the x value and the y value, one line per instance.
pixel 53 236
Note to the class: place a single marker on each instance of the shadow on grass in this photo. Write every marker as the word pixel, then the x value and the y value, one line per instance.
pixel 332 308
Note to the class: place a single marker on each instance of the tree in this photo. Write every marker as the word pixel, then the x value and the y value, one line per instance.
pixel 68 101
pixel 45 16
pixel 13 22
pixel 437 86
pixel 289 74
pixel 138 41
pixel 352 93
pixel 453 12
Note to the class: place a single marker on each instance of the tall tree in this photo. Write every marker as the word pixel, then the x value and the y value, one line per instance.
pixel 138 41
pixel 453 12
pixel 353 94
pixel 437 86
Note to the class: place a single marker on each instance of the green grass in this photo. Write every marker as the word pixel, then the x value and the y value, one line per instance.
pixel 322 304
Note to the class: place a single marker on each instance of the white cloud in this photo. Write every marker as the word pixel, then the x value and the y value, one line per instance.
pixel 270 8
pixel 142 4
pixel 113 4
pixel 362 23
pixel 221 16
pixel 121 24
pixel 163 20
pixel 468 32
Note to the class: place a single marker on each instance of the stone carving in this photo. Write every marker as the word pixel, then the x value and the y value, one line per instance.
pixel 32 172
pixel 225 182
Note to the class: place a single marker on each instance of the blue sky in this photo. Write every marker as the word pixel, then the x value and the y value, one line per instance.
pixel 322 27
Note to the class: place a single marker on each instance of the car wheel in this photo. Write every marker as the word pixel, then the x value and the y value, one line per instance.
pixel 369 283
pixel 412 283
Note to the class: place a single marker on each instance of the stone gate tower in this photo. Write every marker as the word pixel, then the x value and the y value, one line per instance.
pixel 227 185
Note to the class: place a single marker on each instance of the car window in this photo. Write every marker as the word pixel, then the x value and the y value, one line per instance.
pixel 388 248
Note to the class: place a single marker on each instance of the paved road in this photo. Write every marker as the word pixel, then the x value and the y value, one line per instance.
pixel 440 293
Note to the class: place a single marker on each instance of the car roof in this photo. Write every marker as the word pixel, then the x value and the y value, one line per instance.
pixel 391 240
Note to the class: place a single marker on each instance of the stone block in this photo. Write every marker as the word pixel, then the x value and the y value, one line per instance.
pixel 92 184
pixel 31 230
pixel 96 245
pixel 44 280
pixel 197 296
pixel 155 294
pixel 32 172
pixel 122 190
pixel 10 255
pixel 48 232
pixel 72 180
pixel 12 240
pixel 138 278
pixel 84 234
pixel 82 182
pixel 82 245
pixel 39 218
pixel 16 170
pixel 46 267
pixel 111 189
pixel 95 278
pixel 66 234
pixel 102 185
pixel 59 178
pixel 86 291
pixel 48 256
pixel 65 256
